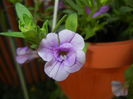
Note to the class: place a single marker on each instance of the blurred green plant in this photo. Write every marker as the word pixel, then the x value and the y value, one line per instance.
pixel 103 26
pixel 42 90
pixel 14 1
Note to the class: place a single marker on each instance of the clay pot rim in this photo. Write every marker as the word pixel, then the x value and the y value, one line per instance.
pixel 111 43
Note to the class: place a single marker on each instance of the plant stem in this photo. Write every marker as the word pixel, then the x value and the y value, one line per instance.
pixel 20 73
pixel 55 13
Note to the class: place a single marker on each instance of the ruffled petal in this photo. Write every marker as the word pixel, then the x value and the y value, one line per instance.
pixel 45 54
pixel 66 36
pixel 50 41
pixel 78 42
pixel 79 62
pixel 70 60
pixel 55 70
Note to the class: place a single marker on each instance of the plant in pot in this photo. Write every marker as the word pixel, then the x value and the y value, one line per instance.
pixel 63 51
pixel 107 24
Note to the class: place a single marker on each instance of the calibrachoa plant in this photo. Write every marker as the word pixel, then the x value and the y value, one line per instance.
pixel 62 51
pixel 62 48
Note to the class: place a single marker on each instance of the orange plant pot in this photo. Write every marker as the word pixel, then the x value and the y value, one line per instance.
pixel 105 63
pixel 109 55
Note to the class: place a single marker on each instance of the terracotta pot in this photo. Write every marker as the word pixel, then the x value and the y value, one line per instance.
pixel 109 55
pixel 93 81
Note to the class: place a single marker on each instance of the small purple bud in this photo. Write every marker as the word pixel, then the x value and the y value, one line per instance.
pixel 87 10
pixel 104 9
pixel 98 13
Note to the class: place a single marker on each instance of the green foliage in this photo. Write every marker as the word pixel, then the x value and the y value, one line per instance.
pixel 15 1
pixel 26 22
pixel 44 28
pixel 13 34
pixel 72 22
pixel 103 27
pixel 129 74
pixel 86 47
pixel 21 10
pixel 59 23
pixel 47 89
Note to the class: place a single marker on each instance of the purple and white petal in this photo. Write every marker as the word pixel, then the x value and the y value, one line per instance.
pixel 21 59
pixel 79 62
pixel 22 50
pixel 50 41
pixel 55 70
pixel 25 54
pixel 78 42
pixel 45 54
pixel 66 36
pixel 70 60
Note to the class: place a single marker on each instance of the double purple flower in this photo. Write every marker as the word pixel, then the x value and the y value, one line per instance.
pixel 101 11
pixel 63 53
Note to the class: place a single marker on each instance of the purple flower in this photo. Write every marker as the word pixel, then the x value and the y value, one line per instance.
pixel 63 53
pixel 25 54
pixel 118 89
pixel 87 10
pixel 61 4
pixel 102 10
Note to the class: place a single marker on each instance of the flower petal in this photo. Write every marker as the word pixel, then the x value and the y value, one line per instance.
pixel 55 70
pixel 22 50
pixel 66 36
pixel 45 54
pixel 21 59
pixel 79 62
pixel 70 60
pixel 50 41
pixel 78 42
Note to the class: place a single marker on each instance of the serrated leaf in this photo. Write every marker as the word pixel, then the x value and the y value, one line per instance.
pixel 72 22
pixel 21 10
pixel 13 34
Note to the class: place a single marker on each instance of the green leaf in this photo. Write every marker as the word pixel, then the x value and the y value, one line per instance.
pixel 31 37
pixel 13 34
pixel 45 27
pixel 59 23
pixel 86 47
pixel 72 4
pixel 27 24
pixel 126 9
pixel 129 73
pixel 72 22
pixel 21 10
